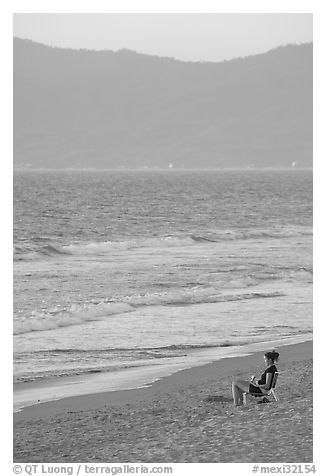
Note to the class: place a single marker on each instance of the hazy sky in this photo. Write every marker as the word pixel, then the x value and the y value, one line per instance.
pixel 185 36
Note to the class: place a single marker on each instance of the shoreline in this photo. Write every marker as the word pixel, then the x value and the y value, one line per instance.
pixel 188 417
pixel 27 394
pixel 195 375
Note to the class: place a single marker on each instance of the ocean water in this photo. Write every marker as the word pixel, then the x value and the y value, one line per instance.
pixel 140 270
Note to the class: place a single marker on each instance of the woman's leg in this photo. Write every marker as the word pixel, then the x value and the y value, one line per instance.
pixel 239 387
pixel 235 394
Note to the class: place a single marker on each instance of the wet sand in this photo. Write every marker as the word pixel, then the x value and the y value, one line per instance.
pixel 186 417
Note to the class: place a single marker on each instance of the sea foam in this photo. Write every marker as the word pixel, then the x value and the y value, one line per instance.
pixel 79 314
pixel 36 250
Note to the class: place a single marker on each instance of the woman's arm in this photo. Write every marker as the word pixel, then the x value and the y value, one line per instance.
pixel 267 385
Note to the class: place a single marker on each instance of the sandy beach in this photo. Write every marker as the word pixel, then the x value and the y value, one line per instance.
pixel 186 417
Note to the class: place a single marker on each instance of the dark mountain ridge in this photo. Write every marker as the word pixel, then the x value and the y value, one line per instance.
pixel 104 109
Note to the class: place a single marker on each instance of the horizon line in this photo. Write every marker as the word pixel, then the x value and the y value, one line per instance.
pixel 157 169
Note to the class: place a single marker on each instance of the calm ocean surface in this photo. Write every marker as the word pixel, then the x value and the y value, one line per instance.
pixel 116 270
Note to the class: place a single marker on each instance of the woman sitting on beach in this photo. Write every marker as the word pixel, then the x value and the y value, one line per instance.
pixel 260 387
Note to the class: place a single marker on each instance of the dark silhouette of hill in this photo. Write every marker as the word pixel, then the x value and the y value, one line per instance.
pixel 104 109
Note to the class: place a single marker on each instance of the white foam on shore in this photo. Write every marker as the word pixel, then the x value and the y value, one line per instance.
pixel 29 394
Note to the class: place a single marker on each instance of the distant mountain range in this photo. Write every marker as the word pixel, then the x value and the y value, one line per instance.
pixel 104 109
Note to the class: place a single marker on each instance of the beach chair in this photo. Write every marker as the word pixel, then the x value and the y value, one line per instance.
pixel 268 393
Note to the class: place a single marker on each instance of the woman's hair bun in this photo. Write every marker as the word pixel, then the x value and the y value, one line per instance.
pixel 273 355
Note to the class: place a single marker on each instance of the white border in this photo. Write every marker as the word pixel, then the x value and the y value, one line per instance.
pixel 95 6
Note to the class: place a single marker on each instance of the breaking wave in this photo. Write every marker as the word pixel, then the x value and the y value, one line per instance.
pixel 74 316
pixel 79 314
pixel 36 251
